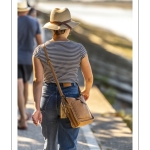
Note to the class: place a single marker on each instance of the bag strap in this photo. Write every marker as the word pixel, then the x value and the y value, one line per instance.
pixel 54 74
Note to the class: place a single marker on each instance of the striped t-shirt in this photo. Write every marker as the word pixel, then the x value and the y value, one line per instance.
pixel 65 57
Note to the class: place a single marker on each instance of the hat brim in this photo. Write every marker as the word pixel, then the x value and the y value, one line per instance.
pixel 52 26
pixel 24 9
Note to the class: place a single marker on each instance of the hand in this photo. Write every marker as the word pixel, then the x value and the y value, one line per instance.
pixel 37 117
pixel 85 94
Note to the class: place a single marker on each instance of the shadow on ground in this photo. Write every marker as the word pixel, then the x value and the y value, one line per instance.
pixel 112 132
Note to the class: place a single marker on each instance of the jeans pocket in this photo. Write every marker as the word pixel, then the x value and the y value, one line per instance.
pixel 44 101
pixel 71 92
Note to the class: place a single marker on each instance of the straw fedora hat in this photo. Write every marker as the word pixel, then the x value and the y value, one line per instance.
pixel 23 6
pixel 60 19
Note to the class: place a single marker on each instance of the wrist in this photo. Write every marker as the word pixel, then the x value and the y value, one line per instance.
pixel 86 90
pixel 37 106
pixel 38 110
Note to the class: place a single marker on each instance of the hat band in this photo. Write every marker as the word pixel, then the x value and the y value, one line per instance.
pixel 60 23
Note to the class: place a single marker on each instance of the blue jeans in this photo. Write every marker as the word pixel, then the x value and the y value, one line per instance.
pixel 54 129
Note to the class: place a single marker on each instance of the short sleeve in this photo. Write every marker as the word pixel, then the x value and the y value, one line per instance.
pixel 83 52
pixel 38 31
pixel 37 52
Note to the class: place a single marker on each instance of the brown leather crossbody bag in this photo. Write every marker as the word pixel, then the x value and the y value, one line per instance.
pixel 75 109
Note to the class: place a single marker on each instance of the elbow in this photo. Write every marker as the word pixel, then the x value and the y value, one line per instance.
pixel 37 81
pixel 89 79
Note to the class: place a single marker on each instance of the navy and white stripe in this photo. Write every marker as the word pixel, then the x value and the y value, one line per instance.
pixel 65 57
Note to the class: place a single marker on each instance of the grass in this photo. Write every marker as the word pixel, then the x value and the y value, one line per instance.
pixel 127 118
pixel 108 40
pixel 110 95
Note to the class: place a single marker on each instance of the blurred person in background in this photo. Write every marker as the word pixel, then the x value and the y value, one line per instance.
pixel 67 57
pixel 32 11
pixel 28 30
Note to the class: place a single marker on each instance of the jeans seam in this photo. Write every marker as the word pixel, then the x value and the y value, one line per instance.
pixel 57 106
pixel 46 103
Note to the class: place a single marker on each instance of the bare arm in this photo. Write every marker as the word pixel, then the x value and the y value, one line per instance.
pixel 38 39
pixel 37 88
pixel 88 76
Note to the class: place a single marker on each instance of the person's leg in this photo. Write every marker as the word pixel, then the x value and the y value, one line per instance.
pixel 26 71
pixel 67 136
pixel 26 84
pixel 48 106
pixel 21 99
pixel 49 131
pixel 27 74
pixel 21 106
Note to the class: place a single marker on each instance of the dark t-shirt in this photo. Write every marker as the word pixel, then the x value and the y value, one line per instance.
pixel 28 27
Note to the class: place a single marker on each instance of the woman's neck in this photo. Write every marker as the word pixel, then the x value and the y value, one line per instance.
pixel 59 38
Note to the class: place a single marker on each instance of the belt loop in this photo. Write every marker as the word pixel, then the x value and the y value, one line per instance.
pixel 74 84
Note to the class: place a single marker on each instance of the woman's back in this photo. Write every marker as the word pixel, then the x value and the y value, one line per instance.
pixel 65 56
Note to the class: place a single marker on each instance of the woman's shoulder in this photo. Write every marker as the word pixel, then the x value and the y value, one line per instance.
pixel 76 43
pixel 40 46
pixel 38 49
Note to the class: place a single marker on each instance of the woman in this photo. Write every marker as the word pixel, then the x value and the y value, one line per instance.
pixel 66 57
